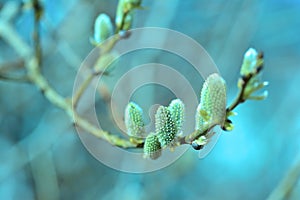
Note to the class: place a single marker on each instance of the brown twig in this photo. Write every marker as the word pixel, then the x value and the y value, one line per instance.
pixel 240 97
pixel 38 12
pixel 6 77
pixel 11 66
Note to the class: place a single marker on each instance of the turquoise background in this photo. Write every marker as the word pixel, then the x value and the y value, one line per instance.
pixel 40 152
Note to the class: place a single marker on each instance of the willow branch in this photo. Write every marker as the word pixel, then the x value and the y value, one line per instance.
pixel 81 89
pixel 36 78
pixel 104 48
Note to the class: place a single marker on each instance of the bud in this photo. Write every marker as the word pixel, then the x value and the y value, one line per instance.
pixel 128 21
pixel 255 84
pixel 125 9
pixel 126 6
pixel 199 143
pixel 165 126
pixel 176 108
pixel 152 147
pixel 252 60
pixel 103 28
pixel 212 108
pixel 134 120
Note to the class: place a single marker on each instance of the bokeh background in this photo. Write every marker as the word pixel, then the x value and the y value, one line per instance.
pixel 41 155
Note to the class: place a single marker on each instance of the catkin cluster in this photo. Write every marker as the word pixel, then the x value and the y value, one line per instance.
pixel 169 120
pixel 168 125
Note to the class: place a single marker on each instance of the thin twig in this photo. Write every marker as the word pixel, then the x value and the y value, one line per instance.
pixel 104 48
pixel 240 97
pixel 81 89
pixel 6 77
pixel 38 12
pixel 35 76
pixel 11 66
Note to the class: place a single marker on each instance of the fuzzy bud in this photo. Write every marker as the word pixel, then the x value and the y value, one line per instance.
pixel 251 62
pixel 176 108
pixel 165 126
pixel 212 108
pixel 134 120
pixel 103 28
pixel 152 147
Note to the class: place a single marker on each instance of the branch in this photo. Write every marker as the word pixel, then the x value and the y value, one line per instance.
pixel 240 97
pixel 104 48
pixel 36 78
pixel 245 80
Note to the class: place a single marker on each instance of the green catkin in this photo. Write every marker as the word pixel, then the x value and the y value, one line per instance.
pixel 134 120
pixel 165 126
pixel 152 147
pixel 177 112
pixel 212 108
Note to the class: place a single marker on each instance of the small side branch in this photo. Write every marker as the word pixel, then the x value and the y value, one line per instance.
pixel 38 12
pixel 6 77
pixel 240 97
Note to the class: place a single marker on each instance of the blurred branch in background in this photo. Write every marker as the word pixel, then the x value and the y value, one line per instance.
pixel 45 177
pixel 288 183
pixel 34 75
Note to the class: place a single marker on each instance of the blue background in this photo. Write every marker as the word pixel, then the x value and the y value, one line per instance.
pixel 40 152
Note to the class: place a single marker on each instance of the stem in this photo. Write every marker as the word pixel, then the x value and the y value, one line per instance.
pixel 63 103
pixel 240 97
pixel 104 48
pixel 38 10
pixel 81 89
pixel 112 139
pixel 122 23
pixel 11 66
pixel 14 78
pixel 36 78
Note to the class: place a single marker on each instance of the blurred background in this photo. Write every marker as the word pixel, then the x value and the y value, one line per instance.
pixel 41 156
